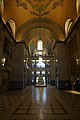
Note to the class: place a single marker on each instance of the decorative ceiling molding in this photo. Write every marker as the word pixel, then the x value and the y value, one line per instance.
pixel 39 6
pixel 37 23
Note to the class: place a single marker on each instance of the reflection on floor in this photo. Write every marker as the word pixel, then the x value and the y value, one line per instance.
pixel 37 85
pixel 39 103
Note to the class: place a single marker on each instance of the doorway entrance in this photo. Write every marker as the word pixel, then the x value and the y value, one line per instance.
pixel 40 77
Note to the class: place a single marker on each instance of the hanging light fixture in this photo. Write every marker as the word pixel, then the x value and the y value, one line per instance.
pixel 40 44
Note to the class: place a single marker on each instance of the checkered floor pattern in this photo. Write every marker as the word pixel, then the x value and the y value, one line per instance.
pixel 39 103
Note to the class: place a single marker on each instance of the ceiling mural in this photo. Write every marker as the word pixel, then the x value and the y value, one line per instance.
pixel 22 11
pixel 39 6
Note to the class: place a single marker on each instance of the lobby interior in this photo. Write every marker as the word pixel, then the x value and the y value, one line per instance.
pixel 39 59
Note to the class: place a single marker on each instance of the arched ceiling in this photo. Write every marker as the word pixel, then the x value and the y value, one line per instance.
pixel 30 15
pixel 39 23
pixel 23 10
pixel 45 35
pixel 40 33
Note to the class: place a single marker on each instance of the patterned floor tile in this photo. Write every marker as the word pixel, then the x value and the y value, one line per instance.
pixel 42 103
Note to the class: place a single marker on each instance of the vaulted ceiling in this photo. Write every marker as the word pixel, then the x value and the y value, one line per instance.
pixel 32 15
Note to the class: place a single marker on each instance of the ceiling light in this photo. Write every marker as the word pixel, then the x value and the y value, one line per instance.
pixel 39 52
pixel 40 44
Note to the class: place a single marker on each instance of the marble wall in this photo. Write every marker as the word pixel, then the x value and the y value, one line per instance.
pixel 13 61
pixel 52 70
pixel 17 66
pixel 6 45
pixel 67 59
pixel 73 46
pixel 62 80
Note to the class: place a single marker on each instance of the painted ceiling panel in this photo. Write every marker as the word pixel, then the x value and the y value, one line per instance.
pixel 23 10
pixel 49 15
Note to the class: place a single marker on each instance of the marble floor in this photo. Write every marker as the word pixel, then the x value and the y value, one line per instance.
pixel 40 103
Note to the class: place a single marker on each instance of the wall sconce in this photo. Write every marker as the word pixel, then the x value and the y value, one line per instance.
pixel 3 61
pixel 24 61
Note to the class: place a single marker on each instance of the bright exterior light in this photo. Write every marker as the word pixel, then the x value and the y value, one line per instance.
pixel 40 60
pixel 47 60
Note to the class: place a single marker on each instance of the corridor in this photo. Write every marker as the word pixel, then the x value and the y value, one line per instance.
pixel 40 103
